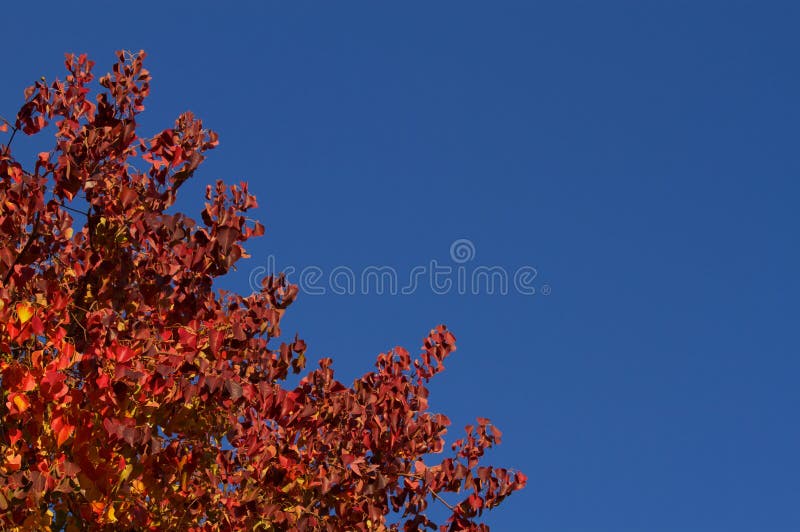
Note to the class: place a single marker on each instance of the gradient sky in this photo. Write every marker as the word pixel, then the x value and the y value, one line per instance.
pixel 641 155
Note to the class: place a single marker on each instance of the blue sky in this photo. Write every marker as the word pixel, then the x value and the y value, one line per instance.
pixel 641 155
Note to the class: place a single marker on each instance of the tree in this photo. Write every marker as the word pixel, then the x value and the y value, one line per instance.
pixel 134 396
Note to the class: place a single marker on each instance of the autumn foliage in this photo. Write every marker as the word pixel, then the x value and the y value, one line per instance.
pixel 135 396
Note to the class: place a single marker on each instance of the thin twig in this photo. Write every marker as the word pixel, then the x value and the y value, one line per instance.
pixel 14 130
pixel 34 234
pixel 430 490
pixel 85 213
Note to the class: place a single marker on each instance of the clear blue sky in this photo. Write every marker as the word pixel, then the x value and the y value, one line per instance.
pixel 642 156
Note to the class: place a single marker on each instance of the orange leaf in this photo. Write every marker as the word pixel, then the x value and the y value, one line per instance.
pixel 21 402
pixel 14 435
pixel 64 434
pixel 28 383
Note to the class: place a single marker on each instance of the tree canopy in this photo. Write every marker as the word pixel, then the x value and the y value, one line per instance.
pixel 136 396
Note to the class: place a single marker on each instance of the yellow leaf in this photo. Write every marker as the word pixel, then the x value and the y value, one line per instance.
pixel 21 402
pixel 24 311
pixel 137 486
pixel 111 516
pixel 68 232
pixel 126 472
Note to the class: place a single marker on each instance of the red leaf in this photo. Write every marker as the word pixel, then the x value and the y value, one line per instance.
pixel 62 429
pixel 14 435
pixel 37 327
pixel 123 353
pixel 475 502
pixel 215 339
